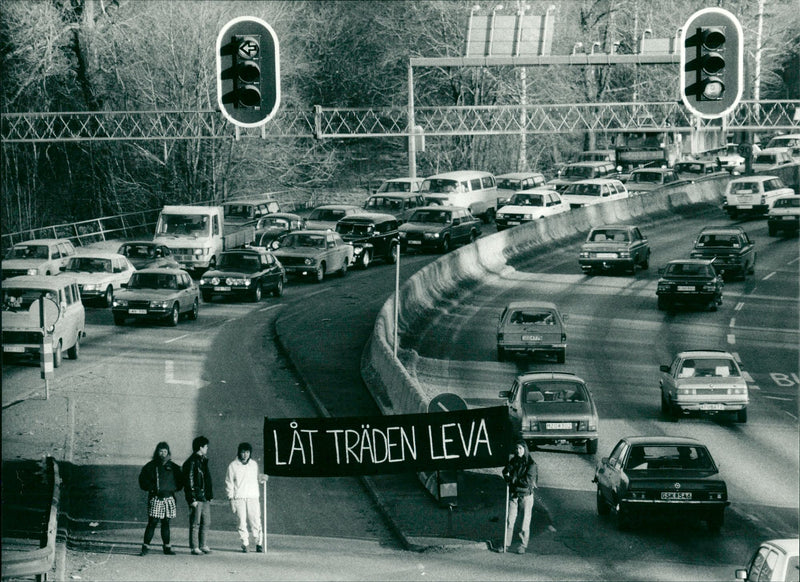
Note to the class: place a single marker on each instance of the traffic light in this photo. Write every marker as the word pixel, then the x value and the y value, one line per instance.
pixel 711 63
pixel 248 71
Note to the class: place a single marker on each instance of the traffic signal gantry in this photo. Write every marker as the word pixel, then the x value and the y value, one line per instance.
pixel 712 62
pixel 248 71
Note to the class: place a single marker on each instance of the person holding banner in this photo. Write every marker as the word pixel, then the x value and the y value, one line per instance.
pixel 161 478
pixel 521 476
pixel 241 487
pixel 199 494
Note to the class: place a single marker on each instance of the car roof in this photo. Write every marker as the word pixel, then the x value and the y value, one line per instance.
pixel 590 164
pixel 250 201
pixel 312 231
pixel 661 440
pixel 652 170
pixel 156 270
pixel 532 304
pixel 598 181
pixel 693 161
pixel 761 178
pixel 90 254
pixel 442 207
pixel 288 215
pixel 337 207
pixel 246 251
pixel 406 179
pixel 691 261
pixel 613 225
pixel 789 546
pixel 723 228
pixel 368 217
pixel 530 376
pixel 40 281
pixel 460 175
pixel 141 242
pixel 395 194
pixel 537 190
pixel 45 241
pixel 705 354
pixel 518 175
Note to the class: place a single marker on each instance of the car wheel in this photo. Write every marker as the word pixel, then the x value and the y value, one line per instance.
pixel 741 416
pixel 713 305
pixel 591 446
pixel 674 411
pixel 343 270
pixel 561 356
pixel 716 520
pixel 365 258
pixel 473 236
pixel 58 356
pixel 174 315
pixel 446 244
pixel 663 304
pixel 207 295
pixel 109 296
pixel 75 350
pixel 602 506
pixel 772 230
pixel 623 518
pixel 752 269
pixel 733 214
pixel 255 294
pixel 393 254
pixel 278 291
pixel 195 310
pixel 489 216
pixel 319 274
pixel 665 410
pixel 119 319
pixel 646 262
pixel 501 354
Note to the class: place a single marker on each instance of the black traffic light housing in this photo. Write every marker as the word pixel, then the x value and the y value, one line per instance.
pixel 711 64
pixel 248 72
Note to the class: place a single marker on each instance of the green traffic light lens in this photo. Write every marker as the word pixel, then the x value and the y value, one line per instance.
pixel 713 90
pixel 249 97
pixel 249 72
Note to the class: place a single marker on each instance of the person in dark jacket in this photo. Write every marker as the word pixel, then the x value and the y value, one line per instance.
pixel 199 494
pixel 161 478
pixel 521 476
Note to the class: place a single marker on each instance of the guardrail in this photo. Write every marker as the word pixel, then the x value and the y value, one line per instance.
pixel 38 562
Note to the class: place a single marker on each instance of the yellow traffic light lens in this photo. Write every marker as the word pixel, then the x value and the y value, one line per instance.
pixel 713 63
pixel 249 97
pixel 248 71
pixel 713 90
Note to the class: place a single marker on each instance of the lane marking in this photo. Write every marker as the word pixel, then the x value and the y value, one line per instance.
pixel 169 375
pixel 733 322
pixel 738 306
pixel 271 307
pixel 772 274
pixel 169 341
pixel 731 339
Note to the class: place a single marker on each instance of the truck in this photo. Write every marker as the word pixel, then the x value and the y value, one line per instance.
pixel 197 235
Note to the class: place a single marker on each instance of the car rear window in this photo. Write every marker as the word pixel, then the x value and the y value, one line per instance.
pixel 788 203
pixel 520 317
pixel 685 457
pixel 554 391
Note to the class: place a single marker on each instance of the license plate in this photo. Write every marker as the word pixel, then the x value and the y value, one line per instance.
pixel 531 338
pixel 513 222
pixel 685 287
pixel 711 407
pixel 415 242
pixel 745 206
pixel 676 495
pixel 222 288
pixel 558 425
pixel 790 218
pixel 606 255
pixel 14 349
pixel 137 311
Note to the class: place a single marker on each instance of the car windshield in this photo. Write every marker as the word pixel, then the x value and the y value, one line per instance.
pixel 440 186
pixel 239 210
pixel 608 235
pixel 183 224
pixel 509 183
pixel 395 187
pixel 153 281
pixel 359 229
pixel 577 172
pixel 21 299
pixel 787 202
pixel 28 252
pixel 273 222
pixel 718 240
pixel 137 251
pixel 708 368
pixel 384 203
pixel 304 240
pixel 548 391
pixel 646 177
pixel 327 214
pixel 689 270
pixel 681 457
pixel 89 265
pixel 583 190
pixel 527 200
pixel 431 216
pixel 532 317
pixel 689 168
pixel 238 262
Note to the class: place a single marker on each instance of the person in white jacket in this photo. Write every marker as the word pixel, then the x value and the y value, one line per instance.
pixel 241 487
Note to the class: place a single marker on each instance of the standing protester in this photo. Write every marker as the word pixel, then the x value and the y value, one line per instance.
pixel 161 478
pixel 241 486
pixel 199 494
pixel 521 476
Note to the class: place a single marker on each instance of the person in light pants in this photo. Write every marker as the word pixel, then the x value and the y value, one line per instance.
pixel 241 487
pixel 521 476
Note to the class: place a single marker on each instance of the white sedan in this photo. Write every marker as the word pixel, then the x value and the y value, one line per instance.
pixel 588 192
pixel 99 274
pixel 529 205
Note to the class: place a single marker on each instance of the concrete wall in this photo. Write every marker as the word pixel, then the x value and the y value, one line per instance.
pixel 398 392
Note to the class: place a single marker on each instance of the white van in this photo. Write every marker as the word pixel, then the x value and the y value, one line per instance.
pixel 469 189
pixel 790 140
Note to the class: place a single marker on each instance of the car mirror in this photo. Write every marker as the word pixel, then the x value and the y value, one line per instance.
pixel 664 368
pixel 740 574
pixel 505 394
pixel 275 245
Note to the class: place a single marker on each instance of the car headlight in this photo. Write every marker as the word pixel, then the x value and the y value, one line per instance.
pixel 197 252
pixel 685 391
pixel 120 303
pixel 32 272
pixel 232 282
pixel 624 254
pixel 308 261
pixel 403 234
pixel 717 496
pixel 162 304
pixel 527 217
pixel 431 235
pixel 664 286
pixel 709 287
pixel 533 423
pixel 695 255
pixel 738 390
pixel 357 250
pixel 584 254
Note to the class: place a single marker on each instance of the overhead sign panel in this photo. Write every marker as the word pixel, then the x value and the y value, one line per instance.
pixel 504 35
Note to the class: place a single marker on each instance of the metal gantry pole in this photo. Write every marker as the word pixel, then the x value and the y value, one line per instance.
pixel 396 300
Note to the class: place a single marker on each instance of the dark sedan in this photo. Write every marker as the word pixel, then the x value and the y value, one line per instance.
pixel 373 236
pixel 157 294
pixel 272 226
pixel 245 273
pixel 689 281
pixel 439 228
pixel 145 254
pixel 672 476
pixel 553 408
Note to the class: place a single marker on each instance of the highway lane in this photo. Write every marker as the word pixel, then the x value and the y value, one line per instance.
pixel 617 339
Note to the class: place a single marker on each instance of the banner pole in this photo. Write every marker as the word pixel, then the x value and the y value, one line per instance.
pixel 505 524
pixel 264 518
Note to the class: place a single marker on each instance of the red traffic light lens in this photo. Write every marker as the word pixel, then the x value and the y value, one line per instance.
pixel 713 37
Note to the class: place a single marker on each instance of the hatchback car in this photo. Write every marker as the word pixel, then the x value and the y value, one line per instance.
pixel 530 205
pixel 707 381
pixel 669 476
pixel 612 247
pixel 148 254
pixel 373 236
pixel 326 216
pixel 784 215
pixel 553 408
pixel 531 327
pixel 588 192
pixel 689 281
pixel 244 273
pixel 163 294
pixel 37 257
pixel 513 182
pixel 99 274
pixel 438 228
pixel 773 561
